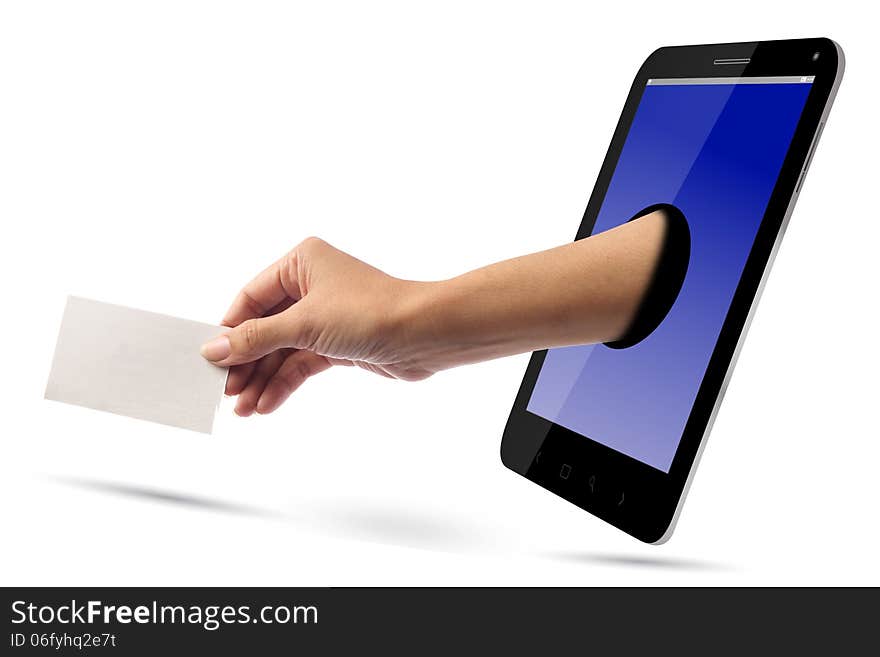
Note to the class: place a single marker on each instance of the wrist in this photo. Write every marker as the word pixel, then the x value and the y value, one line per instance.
pixel 456 321
pixel 422 324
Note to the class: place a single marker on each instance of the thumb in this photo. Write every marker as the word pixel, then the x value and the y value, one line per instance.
pixel 254 338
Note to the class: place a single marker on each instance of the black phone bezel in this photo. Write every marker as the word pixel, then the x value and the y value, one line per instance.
pixel 631 495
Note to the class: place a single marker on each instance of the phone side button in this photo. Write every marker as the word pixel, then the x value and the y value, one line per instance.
pixel 809 159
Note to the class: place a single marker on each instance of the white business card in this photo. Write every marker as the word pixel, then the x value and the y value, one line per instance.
pixel 136 363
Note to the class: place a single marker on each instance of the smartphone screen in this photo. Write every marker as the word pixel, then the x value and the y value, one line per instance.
pixel 712 147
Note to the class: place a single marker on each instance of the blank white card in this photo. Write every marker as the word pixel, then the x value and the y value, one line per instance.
pixel 136 363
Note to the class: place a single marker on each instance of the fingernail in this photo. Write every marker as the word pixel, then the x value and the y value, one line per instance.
pixel 217 349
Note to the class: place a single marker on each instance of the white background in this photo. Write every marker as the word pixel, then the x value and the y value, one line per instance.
pixel 159 154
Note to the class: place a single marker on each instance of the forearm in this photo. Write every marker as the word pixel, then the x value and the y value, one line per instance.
pixel 318 306
pixel 584 292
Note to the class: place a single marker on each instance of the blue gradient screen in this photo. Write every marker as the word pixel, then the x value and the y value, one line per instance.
pixel 714 150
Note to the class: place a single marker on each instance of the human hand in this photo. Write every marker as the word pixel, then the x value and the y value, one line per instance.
pixel 314 308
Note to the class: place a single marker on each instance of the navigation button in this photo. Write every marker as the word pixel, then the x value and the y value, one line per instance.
pixel 591 482
pixel 565 471
pixel 622 497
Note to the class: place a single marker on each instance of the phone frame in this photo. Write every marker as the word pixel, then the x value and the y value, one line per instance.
pixel 633 496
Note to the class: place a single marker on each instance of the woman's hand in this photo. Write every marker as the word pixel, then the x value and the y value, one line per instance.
pixel 314 308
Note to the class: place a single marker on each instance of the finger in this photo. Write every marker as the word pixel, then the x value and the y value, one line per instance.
pixel 254 338
pixel 239 374
pixel 279 307
pixel 274 310
pixel 292 373
pixel 274 285
pixel 238 378
pixel 263 371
